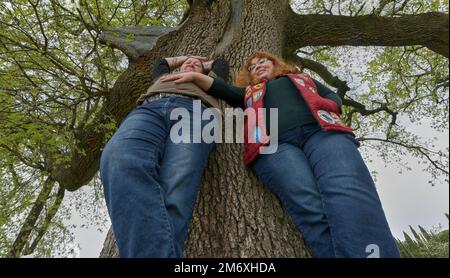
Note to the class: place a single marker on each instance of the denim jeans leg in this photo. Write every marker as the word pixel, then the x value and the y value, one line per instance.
pixel 181 171
pixel 134 196
pixel 151 183
pixel 351 202
pixel 288 174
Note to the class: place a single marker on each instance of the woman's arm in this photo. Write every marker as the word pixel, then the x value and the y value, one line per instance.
pixel 201 80
pixel 160 67
pixel 163 66
pixel 215 87
pixel 234 96
pixel 219 68
pixel 326 92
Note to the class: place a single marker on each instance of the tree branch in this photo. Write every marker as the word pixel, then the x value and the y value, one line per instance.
pixel 428 29
pixel 46 222
pixel 22 158
pixel 133 41
pixel 23 237
pixel 41 27
pixel 381 6
pixel 421 150
pixel 324 73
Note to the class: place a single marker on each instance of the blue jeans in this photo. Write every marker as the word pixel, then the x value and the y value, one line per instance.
pixel 325 186
pixel 151 183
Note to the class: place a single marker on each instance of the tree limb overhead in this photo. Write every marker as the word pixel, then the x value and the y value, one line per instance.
pixel 428 29
pixel 134 41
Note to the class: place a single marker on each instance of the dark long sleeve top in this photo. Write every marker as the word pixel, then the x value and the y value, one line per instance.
pixel 281 93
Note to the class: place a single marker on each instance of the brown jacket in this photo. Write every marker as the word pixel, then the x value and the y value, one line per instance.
pixel 186 89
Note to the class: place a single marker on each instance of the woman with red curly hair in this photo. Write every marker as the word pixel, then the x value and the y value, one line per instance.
pixel 317 171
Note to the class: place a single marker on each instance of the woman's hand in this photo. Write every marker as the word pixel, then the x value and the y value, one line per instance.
pixel 208 65
pixel 176 62
pixel 203 81
pixel 178 78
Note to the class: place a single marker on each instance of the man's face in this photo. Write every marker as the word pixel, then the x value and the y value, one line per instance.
pixel 192 64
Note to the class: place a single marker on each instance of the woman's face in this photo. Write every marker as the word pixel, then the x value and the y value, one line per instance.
pixel 192 64
pixel 261 68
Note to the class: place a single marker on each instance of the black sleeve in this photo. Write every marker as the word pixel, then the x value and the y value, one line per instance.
pixel 326 92
pixel 160 67
pixel 221 68
pixel 234 96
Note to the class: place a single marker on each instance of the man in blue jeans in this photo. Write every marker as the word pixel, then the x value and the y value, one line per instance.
pixel 151 182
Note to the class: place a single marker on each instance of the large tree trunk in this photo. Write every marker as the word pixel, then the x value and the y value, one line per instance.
pixel 235 215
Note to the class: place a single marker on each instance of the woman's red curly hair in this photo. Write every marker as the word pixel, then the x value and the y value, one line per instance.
pixel 244 78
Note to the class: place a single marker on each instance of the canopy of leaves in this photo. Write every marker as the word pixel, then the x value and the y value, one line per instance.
pixel 53 79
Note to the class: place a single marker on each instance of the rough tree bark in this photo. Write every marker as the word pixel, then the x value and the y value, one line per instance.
pixel 235 216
